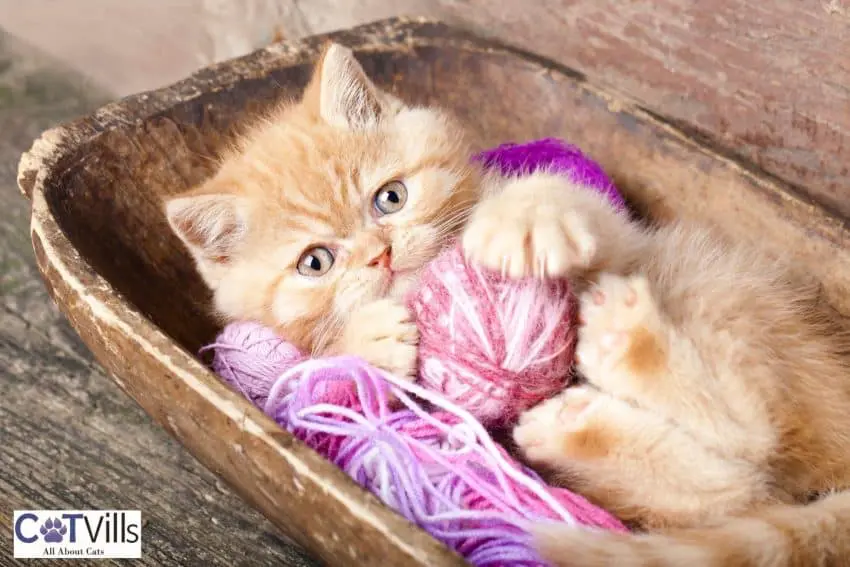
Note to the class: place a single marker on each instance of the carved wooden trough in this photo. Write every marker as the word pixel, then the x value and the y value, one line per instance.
pixel 129 289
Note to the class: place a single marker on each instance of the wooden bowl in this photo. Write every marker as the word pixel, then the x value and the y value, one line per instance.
pixel 130 290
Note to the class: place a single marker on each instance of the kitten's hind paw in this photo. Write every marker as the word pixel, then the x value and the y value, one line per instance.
pixel 621 331
pixel 543 431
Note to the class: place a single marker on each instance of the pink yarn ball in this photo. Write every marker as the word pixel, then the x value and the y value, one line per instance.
pixel 496 346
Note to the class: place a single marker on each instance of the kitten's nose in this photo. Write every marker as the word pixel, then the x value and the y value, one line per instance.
pixel 383 259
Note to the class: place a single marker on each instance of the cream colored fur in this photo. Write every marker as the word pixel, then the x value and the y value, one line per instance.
pixel 715 402
pixel 717 393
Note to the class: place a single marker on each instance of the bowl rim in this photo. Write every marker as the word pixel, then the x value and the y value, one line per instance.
pixel 108 309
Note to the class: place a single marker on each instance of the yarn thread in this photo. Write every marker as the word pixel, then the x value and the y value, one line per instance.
pixel 250 357
pixel 441 470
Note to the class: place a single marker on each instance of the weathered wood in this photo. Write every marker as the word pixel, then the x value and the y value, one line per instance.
pixel 70 438
pixel 128 287
pixel 768 81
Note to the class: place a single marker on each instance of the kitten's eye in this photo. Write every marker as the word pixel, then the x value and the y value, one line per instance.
pixel 390 198
pixel 315 262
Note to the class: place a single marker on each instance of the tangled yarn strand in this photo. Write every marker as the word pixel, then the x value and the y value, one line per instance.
pixel 437 467
pixel 481 436
pixel 487 442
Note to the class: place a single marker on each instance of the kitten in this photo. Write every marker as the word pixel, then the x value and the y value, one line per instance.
pixel 716 399
pixel 716 402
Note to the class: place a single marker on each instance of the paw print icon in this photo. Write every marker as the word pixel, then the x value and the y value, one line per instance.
pixel 53 530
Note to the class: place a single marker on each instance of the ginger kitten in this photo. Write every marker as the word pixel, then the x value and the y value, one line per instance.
pixel 717 397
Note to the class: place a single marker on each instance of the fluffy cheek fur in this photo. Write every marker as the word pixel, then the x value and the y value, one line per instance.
pixel 310 310
pixel 326 302
pixel 435 209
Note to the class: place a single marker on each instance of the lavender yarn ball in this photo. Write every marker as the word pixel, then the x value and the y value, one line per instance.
pixel 250 357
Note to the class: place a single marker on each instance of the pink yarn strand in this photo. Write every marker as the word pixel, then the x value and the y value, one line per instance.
pixel 428 466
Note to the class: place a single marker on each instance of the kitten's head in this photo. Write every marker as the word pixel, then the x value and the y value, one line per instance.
pixel 331 202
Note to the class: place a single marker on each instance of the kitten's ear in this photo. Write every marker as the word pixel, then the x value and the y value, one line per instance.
pixel 343 93
pixel 211 225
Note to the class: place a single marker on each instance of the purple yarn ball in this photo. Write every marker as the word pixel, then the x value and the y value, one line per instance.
pixel 250 357
pixel 556 156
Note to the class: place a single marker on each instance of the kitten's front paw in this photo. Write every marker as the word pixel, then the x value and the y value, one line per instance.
pixel 384 334
pixel 621 331
pixel 519 237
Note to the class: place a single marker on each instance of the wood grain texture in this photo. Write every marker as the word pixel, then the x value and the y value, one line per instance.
pixel 73 440
pixel 70 438
pixel 769 81
pixel 128 288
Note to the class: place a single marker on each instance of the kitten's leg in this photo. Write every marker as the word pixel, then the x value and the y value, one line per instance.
pixel 384 334
pixel 628 348
pixel 545 225
pixel 633 462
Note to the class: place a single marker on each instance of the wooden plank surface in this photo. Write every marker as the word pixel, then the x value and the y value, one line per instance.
pixel 769 81
pixel 70 437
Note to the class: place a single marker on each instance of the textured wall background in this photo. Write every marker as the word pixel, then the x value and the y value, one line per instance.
pixel 769 81
pixel 132 45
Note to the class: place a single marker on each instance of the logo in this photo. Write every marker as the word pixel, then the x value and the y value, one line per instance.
pixel 82 534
